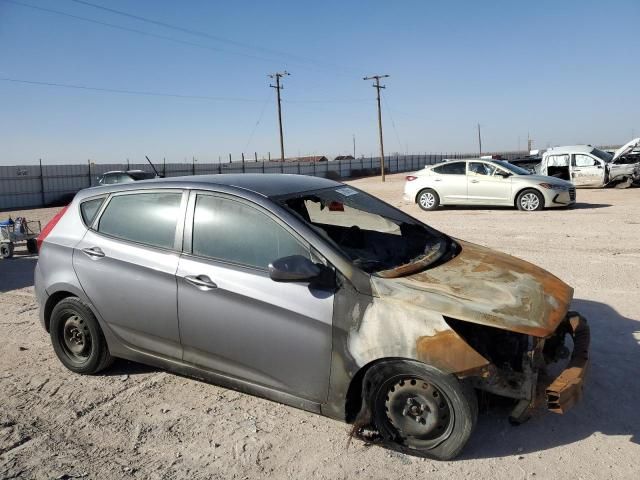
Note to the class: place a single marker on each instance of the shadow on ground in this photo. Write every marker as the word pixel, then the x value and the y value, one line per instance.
pixel 577 206
pixel 17 272
pixel 610 402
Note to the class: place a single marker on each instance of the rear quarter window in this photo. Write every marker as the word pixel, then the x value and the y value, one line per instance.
pixel 89 209
pixel 453 168
pixel 148 218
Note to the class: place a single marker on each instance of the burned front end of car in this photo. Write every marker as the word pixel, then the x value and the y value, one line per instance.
pixel 521 364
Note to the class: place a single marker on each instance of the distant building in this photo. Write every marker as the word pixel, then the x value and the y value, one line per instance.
pixel 345 157
pixel 309 158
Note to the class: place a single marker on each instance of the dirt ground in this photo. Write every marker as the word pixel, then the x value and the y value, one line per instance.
pixel 139 422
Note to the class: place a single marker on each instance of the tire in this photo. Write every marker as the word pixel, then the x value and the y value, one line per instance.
pixel 428 199
pixel 422 410
pixel 32 246
pixel 77 337
pixel 6 250
pixel 530 200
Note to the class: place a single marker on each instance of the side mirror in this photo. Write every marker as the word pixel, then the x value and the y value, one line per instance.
pixel 504 174
pixel 294 268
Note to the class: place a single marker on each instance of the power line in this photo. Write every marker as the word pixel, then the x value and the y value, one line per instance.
pixel 393 124
pixel 128 92
pixel 161 94
pixel 278 87
pixel 255 127
pixel 199 33
pixel 139 32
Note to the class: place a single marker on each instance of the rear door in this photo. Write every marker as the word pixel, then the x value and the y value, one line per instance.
pixel 126 264
pixel 485 186
pixel 237 321
pixel 450 182
pixel 587 171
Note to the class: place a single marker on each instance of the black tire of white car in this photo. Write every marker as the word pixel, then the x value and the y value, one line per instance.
pixel 428 199
pixel 77 338
pixel 530 200
pixel 420 410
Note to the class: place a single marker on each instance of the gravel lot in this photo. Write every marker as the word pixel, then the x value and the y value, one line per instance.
pixel 138 422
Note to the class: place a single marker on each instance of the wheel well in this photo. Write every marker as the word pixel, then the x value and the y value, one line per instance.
pixel 515 198
pixel 52 301
pixel 353 403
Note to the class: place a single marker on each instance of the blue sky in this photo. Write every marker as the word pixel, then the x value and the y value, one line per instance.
pixel 566 72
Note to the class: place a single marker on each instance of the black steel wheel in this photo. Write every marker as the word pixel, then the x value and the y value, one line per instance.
pixel 77 338
pixel 422 410
pixel 32 246
pixel 6 250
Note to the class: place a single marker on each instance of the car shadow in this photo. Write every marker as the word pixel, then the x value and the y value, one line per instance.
pixel 609 405
pixel 17 272
pixel 126 367
pixel 576 206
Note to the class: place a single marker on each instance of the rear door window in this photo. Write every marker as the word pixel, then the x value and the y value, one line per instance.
pixel 148 218
pixel 234 232
pixel 453 168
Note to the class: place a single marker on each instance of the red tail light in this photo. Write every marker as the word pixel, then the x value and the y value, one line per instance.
pixel 49 226
pixel 410 178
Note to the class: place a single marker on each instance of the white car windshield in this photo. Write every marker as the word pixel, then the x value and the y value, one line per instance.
pixel 512 168
pixel 602 155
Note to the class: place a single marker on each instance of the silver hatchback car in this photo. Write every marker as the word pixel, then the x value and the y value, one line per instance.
pixel 311 293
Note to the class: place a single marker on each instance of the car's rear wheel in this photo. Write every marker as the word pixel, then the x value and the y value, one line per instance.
pixel 428 199
pixel 77 338
pixel 422 410
pixel 530 200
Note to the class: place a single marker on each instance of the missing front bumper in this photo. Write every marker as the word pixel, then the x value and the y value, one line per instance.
pixel 566 390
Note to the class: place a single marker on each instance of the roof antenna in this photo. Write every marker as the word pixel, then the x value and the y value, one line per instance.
pixel 154 168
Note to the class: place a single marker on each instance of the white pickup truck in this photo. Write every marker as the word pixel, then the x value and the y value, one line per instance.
pixel 587 166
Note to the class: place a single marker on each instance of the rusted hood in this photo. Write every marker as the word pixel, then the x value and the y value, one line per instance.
pixel 485 287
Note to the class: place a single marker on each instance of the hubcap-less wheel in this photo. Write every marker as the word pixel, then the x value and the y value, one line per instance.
pixel 419 411
pixel 76 338
pixel 529 201
pixel 427 200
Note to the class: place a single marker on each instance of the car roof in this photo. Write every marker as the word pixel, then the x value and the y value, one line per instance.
pixel 570 149
pixel 265 184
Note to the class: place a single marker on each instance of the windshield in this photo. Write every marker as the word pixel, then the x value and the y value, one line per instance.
pixel 512 168
pixel 602 155
pixel 374 235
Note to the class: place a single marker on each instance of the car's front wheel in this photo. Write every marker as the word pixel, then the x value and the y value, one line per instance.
pixel 428 199
pixel 77 337
pixel 530 200
pixel 422 410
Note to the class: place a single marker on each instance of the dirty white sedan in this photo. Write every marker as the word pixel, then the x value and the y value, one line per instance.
pixel 486 182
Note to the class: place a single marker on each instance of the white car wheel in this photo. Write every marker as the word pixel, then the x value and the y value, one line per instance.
pixel 530 201
pixel 428 200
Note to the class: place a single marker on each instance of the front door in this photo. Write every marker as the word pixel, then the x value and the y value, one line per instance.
pixel 127 263
pixel 587 171
pixel 234 319
pixel 486 186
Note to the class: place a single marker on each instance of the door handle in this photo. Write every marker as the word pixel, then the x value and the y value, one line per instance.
pixel 474 181
pixel 201 281
pixel 93 252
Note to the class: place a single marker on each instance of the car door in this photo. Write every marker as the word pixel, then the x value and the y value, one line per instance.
pixel 486 185
pixel 450 182
pixel 587 171
pixel 237 321
pixel 126 264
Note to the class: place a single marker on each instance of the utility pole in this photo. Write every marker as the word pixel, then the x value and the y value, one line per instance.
pixel 278 87
pixel 377 86
pixel 479 142
pixel 354 145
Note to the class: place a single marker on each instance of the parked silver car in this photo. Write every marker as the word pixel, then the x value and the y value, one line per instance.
pixel 486 182
pixel 311 293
